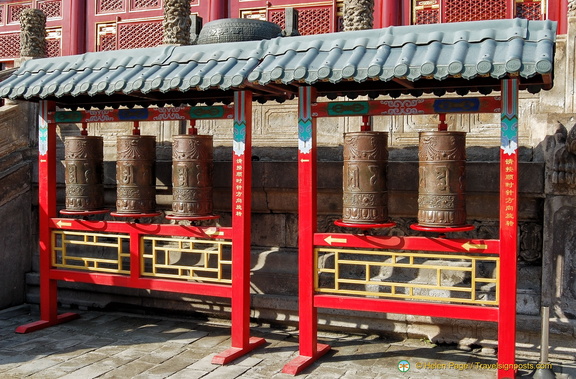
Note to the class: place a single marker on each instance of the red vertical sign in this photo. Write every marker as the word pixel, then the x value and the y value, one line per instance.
pixel 241 218
pixel 508 228
pixel 310 350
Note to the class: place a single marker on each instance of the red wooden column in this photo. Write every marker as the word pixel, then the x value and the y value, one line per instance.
pixel 242 343
pixel 310 349
pixel 557 11
pixel 510 8
pixel 218 10
pixel 508 228
pixel 390 11
pixel 46 210
pixel 74 27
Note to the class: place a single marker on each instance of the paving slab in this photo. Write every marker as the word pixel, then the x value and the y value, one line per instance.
pixel 108 345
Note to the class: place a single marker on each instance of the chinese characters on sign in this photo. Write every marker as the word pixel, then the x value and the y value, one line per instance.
pixel 510 184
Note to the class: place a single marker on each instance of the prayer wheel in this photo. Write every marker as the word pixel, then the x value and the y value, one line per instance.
pixel 135 174
pixel 442 171
pixel 192 168
pixel 365 198
pixel 84 171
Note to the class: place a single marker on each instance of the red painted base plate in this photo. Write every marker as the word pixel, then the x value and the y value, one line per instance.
pixel 442 229
pixel 135 215
pixel 298 364
pixel 43 324
pixel 192 218
pixel 364 226
pixel 232 353
pixel 84 213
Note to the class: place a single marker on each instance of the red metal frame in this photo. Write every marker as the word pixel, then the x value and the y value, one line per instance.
pixel 239 233
pixel 505 247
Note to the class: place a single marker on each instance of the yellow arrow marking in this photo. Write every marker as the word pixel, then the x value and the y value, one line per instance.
pixel 61 223
pixel 213 232
pixel 469 246
pixel 304 160
pixel 331 239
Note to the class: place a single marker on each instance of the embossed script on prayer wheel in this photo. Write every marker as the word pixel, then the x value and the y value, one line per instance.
pixel 84 170
pixel 192 168
pixel 441 197
pixel 365 198
pixel 135 175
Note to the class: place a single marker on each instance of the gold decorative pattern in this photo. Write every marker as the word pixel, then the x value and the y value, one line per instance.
pixel 207 261
pixel 449 278
pixel 101 252
pixel 189 259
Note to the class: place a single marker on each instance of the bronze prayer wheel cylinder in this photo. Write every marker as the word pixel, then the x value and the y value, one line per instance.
pixel 192 172
pixel 135 174
pixel 83 173
pixel 365 198
pixel 442 177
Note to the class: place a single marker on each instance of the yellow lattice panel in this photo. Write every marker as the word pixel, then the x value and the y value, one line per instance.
pixel 188 259
pixel 452 278
pixel 101 252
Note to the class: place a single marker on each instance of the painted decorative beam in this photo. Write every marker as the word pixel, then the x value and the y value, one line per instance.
pixel 489 104
pixel 144 114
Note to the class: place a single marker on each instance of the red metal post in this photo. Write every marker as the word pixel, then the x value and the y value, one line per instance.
pixel 135 254
pixel 366 125
pixel 442 126
pixel 46 210
pixel 508 228
pixel 310 350
pixel 241 219
pixel 136 129
pixel 192 130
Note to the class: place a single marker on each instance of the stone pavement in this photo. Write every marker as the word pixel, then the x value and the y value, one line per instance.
pixel 121 345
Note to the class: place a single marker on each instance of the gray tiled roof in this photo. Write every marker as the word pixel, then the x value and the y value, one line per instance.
pixel 404 59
